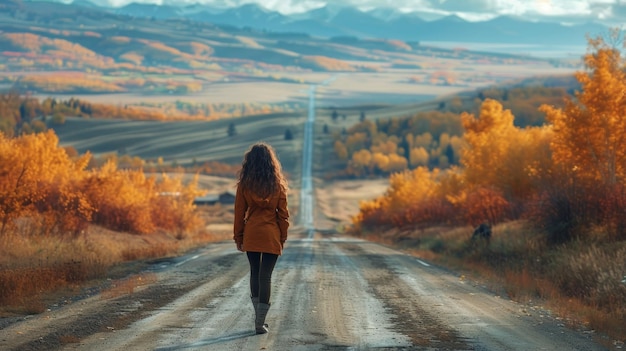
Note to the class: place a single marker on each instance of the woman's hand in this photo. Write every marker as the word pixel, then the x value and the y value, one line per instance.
pixel 240 247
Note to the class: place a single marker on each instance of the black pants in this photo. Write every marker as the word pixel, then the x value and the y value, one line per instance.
pixel 261 268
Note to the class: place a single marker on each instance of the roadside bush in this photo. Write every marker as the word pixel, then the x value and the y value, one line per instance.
pixel 613 207
pixel 592 273
pixel 425 213
pixel 177 213
pixel 485 205
pixel 569 209
pixel 555 212
pixel 121 199
pixel 58 119
pixel 61 210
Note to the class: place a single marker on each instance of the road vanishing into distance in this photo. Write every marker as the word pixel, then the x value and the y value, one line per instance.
pixel 330 292
pixel 306 188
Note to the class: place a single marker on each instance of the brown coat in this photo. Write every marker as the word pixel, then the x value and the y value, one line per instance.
pixel 261 224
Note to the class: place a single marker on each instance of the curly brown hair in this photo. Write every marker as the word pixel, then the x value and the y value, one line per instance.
pixel 261 171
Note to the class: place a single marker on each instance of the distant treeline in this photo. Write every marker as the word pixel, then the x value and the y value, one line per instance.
pixel 434 139
pixel 24 114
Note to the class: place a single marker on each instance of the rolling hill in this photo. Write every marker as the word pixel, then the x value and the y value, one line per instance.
pixel 101 50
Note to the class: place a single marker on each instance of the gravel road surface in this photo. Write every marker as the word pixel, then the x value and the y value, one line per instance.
pixel 329 293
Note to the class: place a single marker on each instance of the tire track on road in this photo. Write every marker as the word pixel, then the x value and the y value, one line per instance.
pixel 410 318
pixel 323 302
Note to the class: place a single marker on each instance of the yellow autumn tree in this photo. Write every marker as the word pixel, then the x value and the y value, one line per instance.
pixel 406 190
pixel 122 199
pixel 379 161
pixel 356 142
pixel 590 131
pixel 589 148
pixel 45 191
pixel 418 157
pixel 174 208
pixel 37 181
pixel 341 150
pixel 501 164
pixel 361 161
pixel 488 139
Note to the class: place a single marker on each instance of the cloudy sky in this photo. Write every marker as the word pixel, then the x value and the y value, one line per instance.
pixel 612 12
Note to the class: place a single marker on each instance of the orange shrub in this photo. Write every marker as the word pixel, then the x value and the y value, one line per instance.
pixel 38 180
pixel 485 205
pixel 121 199
pixel 43 184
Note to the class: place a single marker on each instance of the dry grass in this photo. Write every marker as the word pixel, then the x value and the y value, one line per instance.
pixel 580 282
pixel 338 201
pixel 35 269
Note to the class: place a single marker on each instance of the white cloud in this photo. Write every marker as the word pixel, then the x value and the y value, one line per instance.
pixel 616 11
pixel 291 6
pixel 476 6
pixel 578 10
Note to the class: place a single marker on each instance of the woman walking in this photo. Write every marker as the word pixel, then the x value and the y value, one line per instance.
pixel 261 222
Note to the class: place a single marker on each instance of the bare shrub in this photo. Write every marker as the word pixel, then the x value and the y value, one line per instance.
pixel 594 274
pixel 613 210
pixel 567 210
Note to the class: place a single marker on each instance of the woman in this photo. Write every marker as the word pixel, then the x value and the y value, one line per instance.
pixel 261 222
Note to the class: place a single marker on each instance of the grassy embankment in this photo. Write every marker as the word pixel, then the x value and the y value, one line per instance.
pixel 38 271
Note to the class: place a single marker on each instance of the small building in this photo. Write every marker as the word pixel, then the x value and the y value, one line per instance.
pixel 210 199
pixel 225 198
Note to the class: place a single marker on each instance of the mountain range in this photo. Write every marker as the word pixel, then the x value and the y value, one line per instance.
pixel 385 23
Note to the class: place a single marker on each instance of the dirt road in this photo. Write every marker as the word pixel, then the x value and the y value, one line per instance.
pixel 329 293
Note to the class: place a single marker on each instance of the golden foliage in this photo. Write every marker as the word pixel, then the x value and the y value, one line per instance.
pixel 502 165
pixel 37 44
pixel 68 83
pixel 590 132
pixel 341 150
pixel 406 190
pixel 38 178
pixel 419 157
pixel 485 205
pixel 568 176
pixel 40 183
pixel 199 49
pixel 500 155
pixel 402 141
pixel 20 114
pixel 326 64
